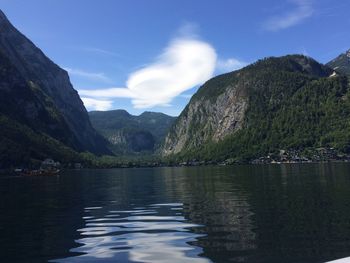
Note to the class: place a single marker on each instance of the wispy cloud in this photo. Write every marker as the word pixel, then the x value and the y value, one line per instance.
pixel 100 51
pixel 89 75
pixel 97 104
pixel 230 64
pixel 303 9
pixel 187 62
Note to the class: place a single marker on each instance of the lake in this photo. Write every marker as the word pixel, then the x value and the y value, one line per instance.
pixel 253 213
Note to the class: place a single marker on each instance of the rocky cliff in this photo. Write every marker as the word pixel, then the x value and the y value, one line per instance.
pixel 205 119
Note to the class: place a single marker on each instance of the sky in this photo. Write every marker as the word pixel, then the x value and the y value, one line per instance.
pixel 152 55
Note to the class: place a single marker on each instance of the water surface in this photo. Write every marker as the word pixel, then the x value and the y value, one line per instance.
pixel 261 213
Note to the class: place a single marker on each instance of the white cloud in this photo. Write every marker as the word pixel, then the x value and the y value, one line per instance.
pixel 184 64
pixel 89 75
pixel 303 9
pixel 107 93
pixel 230 64
pixel 97 104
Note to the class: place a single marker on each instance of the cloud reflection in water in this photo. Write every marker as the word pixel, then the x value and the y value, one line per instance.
pixel 157 233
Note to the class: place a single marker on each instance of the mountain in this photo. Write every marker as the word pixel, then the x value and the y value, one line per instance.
pixel 341 63
pixel 131 134
pixel 290 102
pixel 37 100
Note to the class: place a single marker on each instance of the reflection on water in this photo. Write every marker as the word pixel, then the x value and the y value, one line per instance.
pixel 268 214
pixel 153 233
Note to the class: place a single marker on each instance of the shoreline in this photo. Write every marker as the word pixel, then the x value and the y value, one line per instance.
pixel 10 172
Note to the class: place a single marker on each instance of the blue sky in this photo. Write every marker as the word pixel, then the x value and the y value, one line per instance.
pixel 153 54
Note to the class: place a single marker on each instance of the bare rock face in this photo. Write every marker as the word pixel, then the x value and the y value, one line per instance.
pixel 50 90
pixel 206 119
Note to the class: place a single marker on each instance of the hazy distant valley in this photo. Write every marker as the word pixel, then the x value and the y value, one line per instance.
pixel 129 134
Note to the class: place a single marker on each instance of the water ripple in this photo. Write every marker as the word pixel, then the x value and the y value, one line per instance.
pixel 156 233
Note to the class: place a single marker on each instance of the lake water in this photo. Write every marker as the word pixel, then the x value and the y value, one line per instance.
pixel 267 213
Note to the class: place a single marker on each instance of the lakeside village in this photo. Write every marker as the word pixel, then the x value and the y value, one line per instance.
pixel 303 156
pixel 50 167
pixel 47 167
pixel 284 156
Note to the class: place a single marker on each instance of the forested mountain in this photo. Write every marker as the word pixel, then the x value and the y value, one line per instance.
pixel 131 134
pixel 290 102
pixel 41 115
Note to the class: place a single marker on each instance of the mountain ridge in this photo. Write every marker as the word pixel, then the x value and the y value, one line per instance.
pixel 233 114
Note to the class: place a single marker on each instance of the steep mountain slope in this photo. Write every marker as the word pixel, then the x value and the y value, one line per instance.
pixel 49 84
pixel 128 133
pixel 341 63
pixel 289 102
pixel 36 94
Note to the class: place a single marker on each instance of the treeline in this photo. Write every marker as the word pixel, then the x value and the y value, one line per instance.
pixel 22 146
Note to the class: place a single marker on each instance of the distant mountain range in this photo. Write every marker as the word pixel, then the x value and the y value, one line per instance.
pixel 291 103
pixel 286 103
pixel 129 134
pixel 41 115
